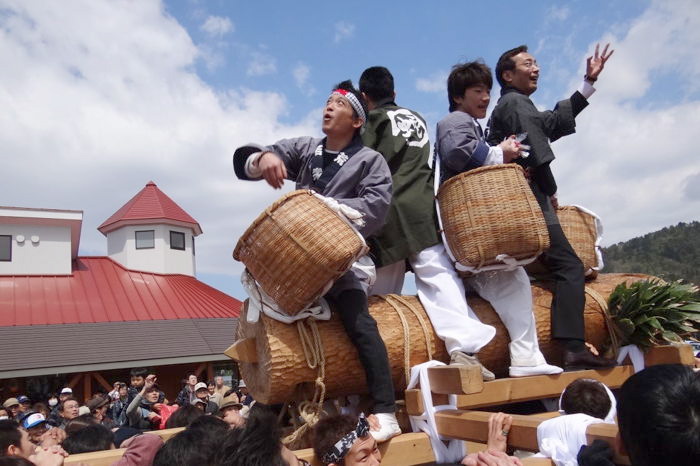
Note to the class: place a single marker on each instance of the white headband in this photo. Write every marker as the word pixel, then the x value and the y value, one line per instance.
pixel 354 102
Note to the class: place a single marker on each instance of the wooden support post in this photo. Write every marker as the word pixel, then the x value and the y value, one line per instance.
pixel 210 372
pixel 198 372
pixel 445 380
pixel 243 350
pixel 87 386
pixel 74 380
pixel 101 380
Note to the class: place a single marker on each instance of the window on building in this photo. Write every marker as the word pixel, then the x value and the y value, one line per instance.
pixel 193 245
pixel 5 248
pixel 145 239
pixel 177 240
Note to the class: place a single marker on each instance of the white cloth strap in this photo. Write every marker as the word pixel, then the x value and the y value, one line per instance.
pixel 635 354
pixel 454 451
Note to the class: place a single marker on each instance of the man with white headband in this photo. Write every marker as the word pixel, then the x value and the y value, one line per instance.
pixel 343 440
pixel 339 166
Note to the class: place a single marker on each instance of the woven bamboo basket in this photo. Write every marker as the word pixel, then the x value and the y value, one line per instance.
pixel 281 369
pixel 581 229
pixel 296 248
pixel 491 211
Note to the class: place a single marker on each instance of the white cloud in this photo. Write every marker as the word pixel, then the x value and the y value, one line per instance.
pixel 633 159
pixel 261 64
pixel 558 13
pixel 301 73
pixel 436 82
pixel 343 30
pixel 217 26
pixel 91 114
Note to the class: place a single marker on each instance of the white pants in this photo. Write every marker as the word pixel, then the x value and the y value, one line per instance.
pixel 442 294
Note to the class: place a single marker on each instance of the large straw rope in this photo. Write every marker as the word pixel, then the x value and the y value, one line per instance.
pixel 391 300
pixel 315 357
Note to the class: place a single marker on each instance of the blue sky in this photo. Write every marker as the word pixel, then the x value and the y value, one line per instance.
pixel 99 97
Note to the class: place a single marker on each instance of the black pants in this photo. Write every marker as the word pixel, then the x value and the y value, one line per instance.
pixel 569 281
pixel 362 331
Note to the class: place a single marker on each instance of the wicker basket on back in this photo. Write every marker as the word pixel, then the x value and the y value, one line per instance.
pixel 491 211
pixel 583 229
pixel 296 248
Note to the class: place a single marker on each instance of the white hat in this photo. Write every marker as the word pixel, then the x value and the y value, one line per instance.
pixel 200 385
pixel 67 391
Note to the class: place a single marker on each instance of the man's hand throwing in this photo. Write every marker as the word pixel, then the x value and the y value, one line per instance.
pixel 596 63
pixel 273 169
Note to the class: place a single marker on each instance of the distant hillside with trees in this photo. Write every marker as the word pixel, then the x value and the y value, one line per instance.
pixel 671 253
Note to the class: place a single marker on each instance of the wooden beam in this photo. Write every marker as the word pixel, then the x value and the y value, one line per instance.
pixel 210 372
pixel 671 354
pixel 74 380
pixel 510 390
pixel 101 380
pixel 87 386
pixel 243 350
pixel 607 433
pixel 198 371
pixel 95 458
pixel 404 450
pixel 456 379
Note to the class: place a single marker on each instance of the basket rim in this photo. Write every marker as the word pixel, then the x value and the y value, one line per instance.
pixel 457 178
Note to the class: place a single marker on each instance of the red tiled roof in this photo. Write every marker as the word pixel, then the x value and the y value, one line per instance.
pixel 149 204
pixel 101 290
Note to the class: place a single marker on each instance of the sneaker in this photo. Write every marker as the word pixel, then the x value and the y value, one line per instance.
pixel 388 427
pixel 464 359
pixel 542 369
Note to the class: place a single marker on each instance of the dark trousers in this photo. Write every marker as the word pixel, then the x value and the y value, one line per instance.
pixel 569 281
pixel 362 331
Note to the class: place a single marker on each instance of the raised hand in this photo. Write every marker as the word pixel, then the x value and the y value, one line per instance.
pixel 596 63
pixel 273 169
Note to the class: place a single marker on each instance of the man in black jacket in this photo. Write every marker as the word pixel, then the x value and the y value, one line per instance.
pixel 518 73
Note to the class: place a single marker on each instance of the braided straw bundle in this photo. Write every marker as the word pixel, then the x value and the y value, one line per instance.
pixel 284 371
pixel 296 248
pixel 491 211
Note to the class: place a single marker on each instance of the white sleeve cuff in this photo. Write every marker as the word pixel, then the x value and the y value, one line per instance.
pixel 251 168
pixel 495 156
pixel 586 89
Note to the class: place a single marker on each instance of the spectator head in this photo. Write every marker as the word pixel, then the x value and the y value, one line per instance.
pixel 12 407
pixel 242 387
pixel 183 417
pixel 53 401
pixel 230 411
pixel 4 413
pixel 659 416
pixel 189 447
pixel 219 380
pixel 211 387
pixel 191 379
pixel 588 396
pixel 14 461
pixel 210 426
pixel 66 392
pixel 79 423
pixel 345 111
pixel 123 390
pixel 25 404
pixel 201 391
pixel 14 441
pixel 465 76
pixel 518 69
pixel 138 377
pixel 35 425
pixel 69 409
pixel 95 437
pixel 200 404
pixel 41 408
pixel 256 444
pixel 345 440
pixel 98 406
pixel 152 394
pixel 377 84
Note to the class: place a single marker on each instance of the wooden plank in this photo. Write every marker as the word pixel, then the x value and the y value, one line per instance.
pixel 537 462
pixel 414 401
pixel 74 380
pixel 404 450
pixel 456 379
pixel 510 390
pixel 243 350
pixel 96 458
pixel 101 380
pixel 166 434
pixel 671 354
pixel 607 433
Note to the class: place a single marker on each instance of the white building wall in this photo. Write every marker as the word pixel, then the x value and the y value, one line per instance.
pixel 50 255
pixel 121 246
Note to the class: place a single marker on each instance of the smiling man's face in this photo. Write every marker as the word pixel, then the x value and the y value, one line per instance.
pixel 525 75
